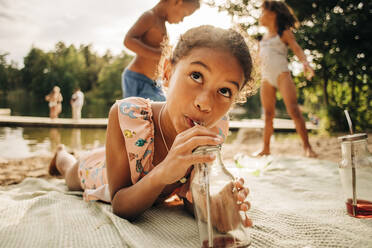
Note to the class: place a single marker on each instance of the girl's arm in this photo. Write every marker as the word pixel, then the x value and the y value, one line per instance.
pixel 290 39
pixel 128 200
pixel 133 39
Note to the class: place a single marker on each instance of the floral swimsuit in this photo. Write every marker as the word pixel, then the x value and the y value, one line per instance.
pixel 137 126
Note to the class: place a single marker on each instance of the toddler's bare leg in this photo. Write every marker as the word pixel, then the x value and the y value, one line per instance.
pixel 268 100
pixel 288 90
pixel 66 165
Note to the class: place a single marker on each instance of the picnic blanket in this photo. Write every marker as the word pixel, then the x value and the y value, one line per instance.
pixel 296 202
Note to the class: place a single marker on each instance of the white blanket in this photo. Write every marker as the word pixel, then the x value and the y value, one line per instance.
pixel 296 202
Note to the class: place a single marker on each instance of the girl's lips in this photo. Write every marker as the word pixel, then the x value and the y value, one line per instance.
pixel 192 122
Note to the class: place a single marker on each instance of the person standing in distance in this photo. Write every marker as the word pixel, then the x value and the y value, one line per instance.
pixel 145 38
pixel 77 102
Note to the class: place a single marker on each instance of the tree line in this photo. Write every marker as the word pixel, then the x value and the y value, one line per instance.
pixel 68 67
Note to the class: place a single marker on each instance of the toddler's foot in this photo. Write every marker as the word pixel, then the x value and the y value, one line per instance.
pixel 310 153
pixel 261 153
pixel 53 171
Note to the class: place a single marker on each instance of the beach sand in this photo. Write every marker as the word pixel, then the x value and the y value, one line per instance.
pixel 247 142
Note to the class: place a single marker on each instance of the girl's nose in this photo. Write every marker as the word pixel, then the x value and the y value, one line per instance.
pixel 203 102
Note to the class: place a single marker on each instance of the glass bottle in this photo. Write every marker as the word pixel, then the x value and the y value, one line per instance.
pixel 216 210
pixel 356 175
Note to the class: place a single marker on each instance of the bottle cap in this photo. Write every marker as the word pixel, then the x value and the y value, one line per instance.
pixel 353 137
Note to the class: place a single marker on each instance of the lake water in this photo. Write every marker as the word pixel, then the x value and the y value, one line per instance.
pixel 21 142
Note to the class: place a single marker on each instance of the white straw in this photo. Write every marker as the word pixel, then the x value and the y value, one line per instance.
pixel 349 121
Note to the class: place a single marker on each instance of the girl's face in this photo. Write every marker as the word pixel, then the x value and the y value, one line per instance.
pixel 202 87
pixel 267 17
pixel 180 10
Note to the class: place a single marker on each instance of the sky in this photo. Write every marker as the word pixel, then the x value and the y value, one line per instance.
pixel 42 23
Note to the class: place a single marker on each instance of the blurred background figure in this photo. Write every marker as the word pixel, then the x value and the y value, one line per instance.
pixel 55 102
pixel 77 102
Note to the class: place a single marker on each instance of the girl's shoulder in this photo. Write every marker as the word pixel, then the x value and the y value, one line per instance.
pixel 135 113
pixel 134 107
pixel 137 127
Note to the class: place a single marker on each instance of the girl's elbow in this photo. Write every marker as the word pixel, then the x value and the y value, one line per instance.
pixel 118 211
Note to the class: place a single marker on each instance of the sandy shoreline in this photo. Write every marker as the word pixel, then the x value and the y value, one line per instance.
pixel 328 148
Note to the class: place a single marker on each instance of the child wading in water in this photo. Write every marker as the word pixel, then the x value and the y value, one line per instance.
pixel 277 17
pixel 149 144
pixel 145 38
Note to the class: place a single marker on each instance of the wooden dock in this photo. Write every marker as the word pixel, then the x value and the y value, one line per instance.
pixel 5 111
pixel 24 121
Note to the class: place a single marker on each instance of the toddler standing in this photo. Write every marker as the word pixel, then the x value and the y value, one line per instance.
pixel 278 18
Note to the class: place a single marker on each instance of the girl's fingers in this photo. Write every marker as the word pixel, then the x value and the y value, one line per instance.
pixel 241 196
pixel 239 184
pixel 245 191
pixel 196 131
pixel 245 206
pixel 188 145
pixel 247 222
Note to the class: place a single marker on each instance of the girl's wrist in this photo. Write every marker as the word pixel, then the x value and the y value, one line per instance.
pixel 157 176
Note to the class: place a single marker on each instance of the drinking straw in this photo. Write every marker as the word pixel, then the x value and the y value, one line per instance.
pixel 349 121
pixel 209 217
pixel 353 177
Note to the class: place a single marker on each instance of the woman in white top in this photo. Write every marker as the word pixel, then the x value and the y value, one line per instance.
pixel 278 18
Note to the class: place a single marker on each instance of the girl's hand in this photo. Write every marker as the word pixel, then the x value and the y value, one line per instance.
pixel 226 207
pixel 309 72
pixel 180 156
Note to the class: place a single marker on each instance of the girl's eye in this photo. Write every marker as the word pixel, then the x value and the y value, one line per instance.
pixel 196 76
pixel 226 92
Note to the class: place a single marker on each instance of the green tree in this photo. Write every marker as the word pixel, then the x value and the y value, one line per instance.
pixel 35 72
pixel 4 83
pixel 68 67
pixel 108 88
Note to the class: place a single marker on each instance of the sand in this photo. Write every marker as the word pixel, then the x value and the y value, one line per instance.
pixel 247 142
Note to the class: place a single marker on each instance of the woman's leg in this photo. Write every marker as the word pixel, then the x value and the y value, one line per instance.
pixel 287 88
pixel 65 164
pixel 58 109
pixel 268 99
pixel 51 112
pixel 54 112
